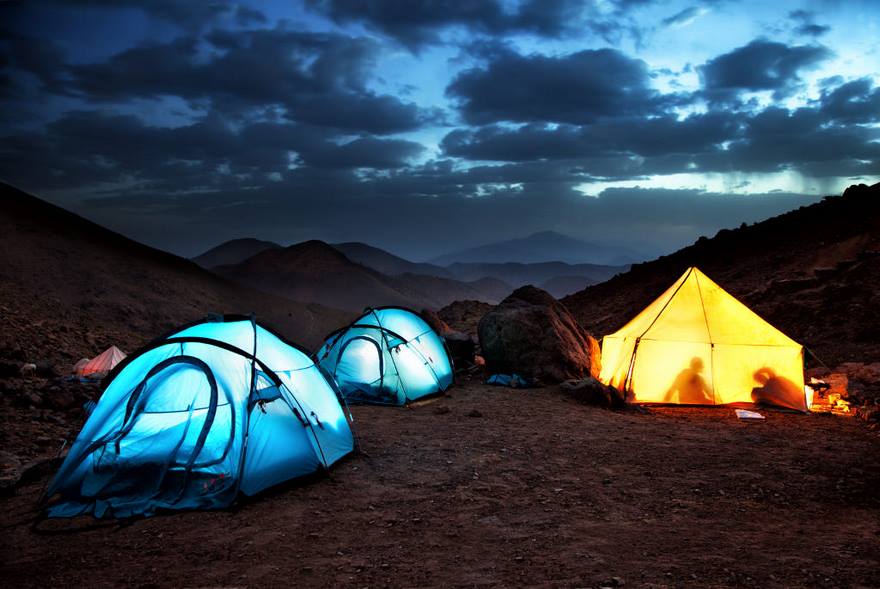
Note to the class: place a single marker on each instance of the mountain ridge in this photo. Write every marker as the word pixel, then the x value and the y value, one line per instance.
pixel 233 251
pixel 543 246
pixel 316 271
pixel 560 278
pixel 811 272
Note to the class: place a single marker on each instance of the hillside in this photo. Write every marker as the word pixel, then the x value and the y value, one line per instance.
pixel 813 273
pixel 486 281
pixel 562 286
pixel 558 278
pixel 233 252
pixel 316 271
pixel 545 246
pixel 70 288
pixel 387 263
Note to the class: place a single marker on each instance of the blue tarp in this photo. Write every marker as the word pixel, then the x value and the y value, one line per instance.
pixel 510 380
pixel 196 417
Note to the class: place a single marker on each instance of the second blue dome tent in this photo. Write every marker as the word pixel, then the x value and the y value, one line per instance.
pixel 387 356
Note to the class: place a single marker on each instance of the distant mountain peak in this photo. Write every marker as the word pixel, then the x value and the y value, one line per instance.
pixel 233 251
pixel 549 233
pixel 543 246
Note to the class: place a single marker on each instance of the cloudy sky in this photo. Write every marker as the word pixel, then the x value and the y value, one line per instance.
pixel 427 126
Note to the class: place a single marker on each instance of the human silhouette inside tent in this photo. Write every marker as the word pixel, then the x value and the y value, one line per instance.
pixel 776 390
pixel 691 387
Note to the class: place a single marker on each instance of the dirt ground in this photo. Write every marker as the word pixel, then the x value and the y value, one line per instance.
pixel 495 488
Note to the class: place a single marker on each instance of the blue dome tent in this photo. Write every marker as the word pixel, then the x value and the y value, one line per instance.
pixel 192 419
pixel 387 356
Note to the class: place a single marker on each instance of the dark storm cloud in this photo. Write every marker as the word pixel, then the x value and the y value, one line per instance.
pixel 760 65
pixel 530 142
pixel 621 137
pixel 367 152
pixel 83 148
pixel 287 124
pixel 855 102
pixel 682 17
pixel 420 21
pixel 40 59
pixel 777 139
pixel 194 14
pixel 806 25
pixel 576 88
pixel 833 137
pixel 319 78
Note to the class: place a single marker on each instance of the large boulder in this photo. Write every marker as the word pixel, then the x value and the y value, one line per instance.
pixel 533 334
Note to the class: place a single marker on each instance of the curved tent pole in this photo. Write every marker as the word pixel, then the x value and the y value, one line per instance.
pixel 391 352
pixel 424 360
pixel 628 382
pixel 343 403
pixel 310 426
pixel 378 352
pixel 199 340
pixel 709 333
pixel 128 420
pixel 422 317
pixel 211 318
pixel 247 416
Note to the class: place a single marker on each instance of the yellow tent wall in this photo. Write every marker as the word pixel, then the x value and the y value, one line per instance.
pixel 697 344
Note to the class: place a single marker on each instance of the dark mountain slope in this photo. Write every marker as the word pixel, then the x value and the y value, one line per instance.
pixel 233 252
pixel 316 271
pixel 69 288
pixel 545 246
pixel 387 263
pixel 563 278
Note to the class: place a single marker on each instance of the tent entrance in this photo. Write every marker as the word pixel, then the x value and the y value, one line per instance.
pixel 173 441
pixel 360 370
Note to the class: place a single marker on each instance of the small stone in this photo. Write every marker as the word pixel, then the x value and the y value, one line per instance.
pixel 474 413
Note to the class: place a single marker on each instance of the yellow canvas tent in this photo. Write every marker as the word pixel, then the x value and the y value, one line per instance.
pixel 697 344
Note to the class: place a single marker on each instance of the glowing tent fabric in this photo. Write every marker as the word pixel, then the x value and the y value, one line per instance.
pixel 101 364
pixel 388 356
pixel 697 344
pixel 194 418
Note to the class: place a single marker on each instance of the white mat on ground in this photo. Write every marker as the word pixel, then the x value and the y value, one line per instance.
pixel 748 415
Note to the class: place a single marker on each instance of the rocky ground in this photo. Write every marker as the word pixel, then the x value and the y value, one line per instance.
pixel 496 487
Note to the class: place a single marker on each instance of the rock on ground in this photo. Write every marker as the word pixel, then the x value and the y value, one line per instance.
pixel 532 334
pixel 591 391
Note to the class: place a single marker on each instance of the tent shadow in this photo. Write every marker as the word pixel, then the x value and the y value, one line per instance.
pixel 294 484
pixel 87 523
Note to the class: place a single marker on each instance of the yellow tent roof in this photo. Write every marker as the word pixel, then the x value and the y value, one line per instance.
pixel 699 333
pixel 698 310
